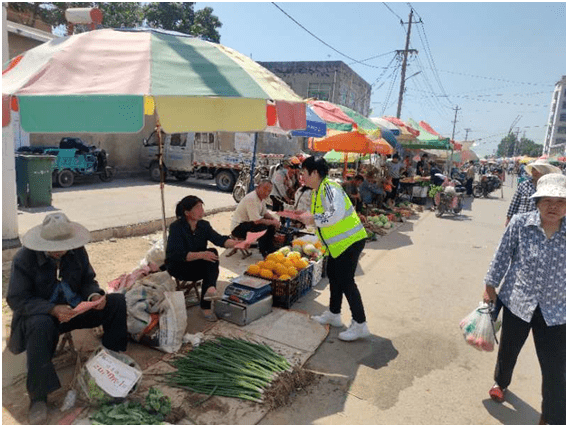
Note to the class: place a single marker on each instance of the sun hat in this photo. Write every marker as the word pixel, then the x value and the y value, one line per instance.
pixel 551 185
pixel 542 166
pixel 56 233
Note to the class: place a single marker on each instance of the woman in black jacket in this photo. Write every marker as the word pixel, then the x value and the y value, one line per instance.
pixel 187 255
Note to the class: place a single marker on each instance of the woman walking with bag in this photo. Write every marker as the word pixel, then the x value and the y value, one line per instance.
pixel 531 263
pixel 341 231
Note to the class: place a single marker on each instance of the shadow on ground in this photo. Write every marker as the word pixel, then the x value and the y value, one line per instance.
pixel 512 411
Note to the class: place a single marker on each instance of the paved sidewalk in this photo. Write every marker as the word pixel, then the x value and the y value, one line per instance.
pixel 122 208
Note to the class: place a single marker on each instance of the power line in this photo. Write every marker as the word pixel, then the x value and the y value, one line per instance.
pixel 496 79
pixel 392 11
pixel 317 38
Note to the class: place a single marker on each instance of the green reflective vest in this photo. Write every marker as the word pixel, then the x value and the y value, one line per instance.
pixel 339 236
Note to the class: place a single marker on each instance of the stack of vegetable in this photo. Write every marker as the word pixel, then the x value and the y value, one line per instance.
pixel 380 220
pixel 229 367
pixel 154 411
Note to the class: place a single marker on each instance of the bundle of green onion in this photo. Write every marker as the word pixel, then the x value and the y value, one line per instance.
pixel 230 367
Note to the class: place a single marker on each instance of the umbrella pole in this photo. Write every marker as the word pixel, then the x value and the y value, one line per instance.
pixel 345 165
pixel 253 164
pixel 162 180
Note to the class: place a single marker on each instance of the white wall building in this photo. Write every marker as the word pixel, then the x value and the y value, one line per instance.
pixel 555 138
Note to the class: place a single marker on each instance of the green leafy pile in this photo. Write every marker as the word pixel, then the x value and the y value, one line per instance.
pixel 435 189
pixel 229 367
pixel 154 411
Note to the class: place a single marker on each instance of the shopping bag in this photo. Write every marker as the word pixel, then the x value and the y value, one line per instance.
pixel 478 328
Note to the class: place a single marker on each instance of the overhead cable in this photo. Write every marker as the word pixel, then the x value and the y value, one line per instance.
pixel 317 38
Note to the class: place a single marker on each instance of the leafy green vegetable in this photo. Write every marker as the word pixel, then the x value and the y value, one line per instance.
pixel 156 407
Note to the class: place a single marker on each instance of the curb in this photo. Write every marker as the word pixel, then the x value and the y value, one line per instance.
pixel 121 232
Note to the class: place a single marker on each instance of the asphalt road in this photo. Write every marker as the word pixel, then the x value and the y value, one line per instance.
pixel 417 284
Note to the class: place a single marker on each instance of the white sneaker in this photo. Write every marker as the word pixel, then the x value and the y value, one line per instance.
pixel 355 331
pixel 329 318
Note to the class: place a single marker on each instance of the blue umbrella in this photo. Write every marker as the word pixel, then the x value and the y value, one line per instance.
pixel 315 126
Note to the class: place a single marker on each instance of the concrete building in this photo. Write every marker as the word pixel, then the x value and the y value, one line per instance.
pixel 332 81
pixel 555 138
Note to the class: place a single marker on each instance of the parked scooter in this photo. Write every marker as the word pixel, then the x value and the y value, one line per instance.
pixel 449 200
pixel 488 184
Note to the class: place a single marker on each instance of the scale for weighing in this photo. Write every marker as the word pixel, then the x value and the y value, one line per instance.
pixel 244 300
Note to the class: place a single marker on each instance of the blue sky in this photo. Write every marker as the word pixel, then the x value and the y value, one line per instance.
pixel 494 61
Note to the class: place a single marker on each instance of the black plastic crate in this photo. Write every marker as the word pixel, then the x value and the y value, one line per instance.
pixel 286 293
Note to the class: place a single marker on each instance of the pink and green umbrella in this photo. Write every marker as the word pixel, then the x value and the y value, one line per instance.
pixel 107 80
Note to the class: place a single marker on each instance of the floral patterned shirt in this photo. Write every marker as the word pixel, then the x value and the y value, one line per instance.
pixel 532 268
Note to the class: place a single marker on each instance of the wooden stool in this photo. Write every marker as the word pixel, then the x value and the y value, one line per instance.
pixel 187 286
pixel 66 339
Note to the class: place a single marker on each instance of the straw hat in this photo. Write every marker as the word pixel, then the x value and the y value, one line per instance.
pixel 551 185
pixel 542 166
pixel 56 233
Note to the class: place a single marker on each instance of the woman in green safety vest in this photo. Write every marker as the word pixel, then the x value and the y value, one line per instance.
pixel 340 230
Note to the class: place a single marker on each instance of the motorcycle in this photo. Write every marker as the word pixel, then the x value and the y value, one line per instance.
pixel 449 200
pixel 488 184
pixel 241 187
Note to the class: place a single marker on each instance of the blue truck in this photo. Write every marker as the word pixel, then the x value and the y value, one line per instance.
pixel 74 159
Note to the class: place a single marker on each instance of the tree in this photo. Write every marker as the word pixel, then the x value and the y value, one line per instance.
pixel 510 146
pixel 174 16
pixel 182 17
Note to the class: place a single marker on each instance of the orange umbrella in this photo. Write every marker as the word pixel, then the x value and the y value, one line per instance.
pixel 352 142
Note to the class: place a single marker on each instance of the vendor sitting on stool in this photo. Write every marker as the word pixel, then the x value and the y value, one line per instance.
pixel 252 215
pixel 50 276
pixel 187 256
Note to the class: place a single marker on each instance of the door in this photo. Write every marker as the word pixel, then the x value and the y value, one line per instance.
pixel 178 152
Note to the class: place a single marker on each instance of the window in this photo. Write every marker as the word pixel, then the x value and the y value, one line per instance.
pixel 563 117
pixel 562 129
pixel 321 91
pixel 560 141
pixel 204 138
pixel 178 140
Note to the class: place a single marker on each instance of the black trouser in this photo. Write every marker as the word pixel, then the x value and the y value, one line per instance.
pixel 199 269
pixel 277 204
pixel 392 195
pixel 265 243
pixel 550 344
pixel 341 273
pixel 469 186
pixel 42 335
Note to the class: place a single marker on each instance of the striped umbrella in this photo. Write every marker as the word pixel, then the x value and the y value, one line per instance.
pixel 107 80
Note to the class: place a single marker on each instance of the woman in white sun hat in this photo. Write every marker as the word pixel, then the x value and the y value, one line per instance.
pixel 521 201
pixel 530 266
pixel 50 276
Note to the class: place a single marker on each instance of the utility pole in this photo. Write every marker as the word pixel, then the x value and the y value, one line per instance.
pixel 467 130
pixel 455 121
pixel 405 53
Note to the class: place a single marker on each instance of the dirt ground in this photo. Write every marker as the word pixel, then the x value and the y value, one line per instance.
pixel 110 259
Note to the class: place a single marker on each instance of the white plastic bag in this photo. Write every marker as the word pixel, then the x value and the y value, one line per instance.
pixel 108 376
pixel 478 329
pixel 155 254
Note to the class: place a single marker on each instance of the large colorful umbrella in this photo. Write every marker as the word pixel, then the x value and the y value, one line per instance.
pixel 427 140
pixel 385 124
pixel 106 80
pixel 337 157
pixel 464 156
pixel 352 142
pixel 343 119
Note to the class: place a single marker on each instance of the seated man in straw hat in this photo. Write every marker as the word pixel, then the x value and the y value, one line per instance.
pixel 522 201
pixel 50 276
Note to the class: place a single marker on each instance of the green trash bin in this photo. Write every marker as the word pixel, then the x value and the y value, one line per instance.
pixel 33 179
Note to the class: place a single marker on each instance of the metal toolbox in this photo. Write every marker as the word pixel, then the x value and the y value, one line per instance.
pixel 242 314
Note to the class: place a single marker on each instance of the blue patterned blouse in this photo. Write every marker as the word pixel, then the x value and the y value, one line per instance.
pixel 533 267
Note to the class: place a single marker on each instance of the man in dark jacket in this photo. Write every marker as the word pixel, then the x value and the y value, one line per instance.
pixel 51 275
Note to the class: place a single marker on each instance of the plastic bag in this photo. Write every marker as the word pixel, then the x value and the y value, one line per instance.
pixel 479 329
pixel 108 377
pixel 155 255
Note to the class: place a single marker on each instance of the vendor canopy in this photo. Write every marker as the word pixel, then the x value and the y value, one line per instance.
pixel 425 140
pixel 106 80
